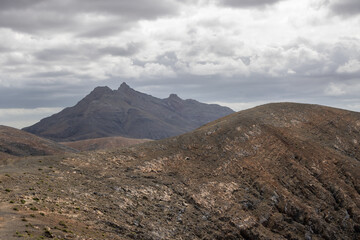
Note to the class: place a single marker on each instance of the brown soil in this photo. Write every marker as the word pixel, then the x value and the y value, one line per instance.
pixel 14 142
pixel 104 143
pixel 278 171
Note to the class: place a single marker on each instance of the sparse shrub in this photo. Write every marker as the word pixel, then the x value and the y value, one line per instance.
pixel 61 223
pixel 7 190
pixel 15 209
pixel 47 233
pixel 22 201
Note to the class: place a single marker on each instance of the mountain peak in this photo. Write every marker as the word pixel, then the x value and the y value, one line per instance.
pixel 173 96
pixel 128 113
pixel 99 91
pixel 103 89
pixel 124 86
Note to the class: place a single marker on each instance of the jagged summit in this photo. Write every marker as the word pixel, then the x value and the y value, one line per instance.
pixel 173 96
pixel 124 87
pixel 128 113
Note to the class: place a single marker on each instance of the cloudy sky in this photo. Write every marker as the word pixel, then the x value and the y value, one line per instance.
pixel 240 53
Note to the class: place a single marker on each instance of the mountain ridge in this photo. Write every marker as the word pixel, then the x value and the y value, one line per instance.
pixel 128 113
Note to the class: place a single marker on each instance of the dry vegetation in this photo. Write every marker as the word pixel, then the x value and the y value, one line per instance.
pixel 103 143
pixel 279 171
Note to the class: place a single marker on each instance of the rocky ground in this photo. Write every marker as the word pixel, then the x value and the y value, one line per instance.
pixel 279 171
pixel 103 143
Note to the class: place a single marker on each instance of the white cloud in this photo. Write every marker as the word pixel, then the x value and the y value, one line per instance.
pixel 352 66
pixel 334 90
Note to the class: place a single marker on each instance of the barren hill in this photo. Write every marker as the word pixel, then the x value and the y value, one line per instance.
pixel 14 142
pixel 128 113
pixel 103 143
pixel 277 171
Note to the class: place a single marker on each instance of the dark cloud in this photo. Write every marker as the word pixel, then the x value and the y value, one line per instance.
pixel 30 21
pixel 247 3
pixel 67 54
pixel 18 4
pixel 73 16
pixel 56 54
pixel 135 9
pixel 104 30
pixel 346 8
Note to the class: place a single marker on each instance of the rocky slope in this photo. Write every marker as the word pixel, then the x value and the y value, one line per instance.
pixel 128 113
pixel 14 142
pixel 278 171
pixel 103 143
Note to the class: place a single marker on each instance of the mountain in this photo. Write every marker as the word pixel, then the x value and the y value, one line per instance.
pixel 128 113
pixel 277 171
pixel 14 142
pixel 103 143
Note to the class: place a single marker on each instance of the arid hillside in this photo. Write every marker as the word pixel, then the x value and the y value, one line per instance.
pixel 14 142
pixel 103 143
pixel 277 171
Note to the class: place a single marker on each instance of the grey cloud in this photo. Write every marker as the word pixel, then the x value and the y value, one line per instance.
pixel 135 9
pixel 67 54
pixel 51 74
pixel 55 54
pixel 35 22
pixel 31 97
pixel 18 4
pixel 247 3
pixel 346 8
pixel 104 30
pixel 52 15
pixel 167 59
pixel 86 52
pixel 129 50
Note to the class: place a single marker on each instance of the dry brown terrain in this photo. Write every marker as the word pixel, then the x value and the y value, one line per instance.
pixel 103 143
pixel 278 171
pixel 14 142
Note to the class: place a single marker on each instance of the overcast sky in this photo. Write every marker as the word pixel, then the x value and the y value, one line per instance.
pixel 240 53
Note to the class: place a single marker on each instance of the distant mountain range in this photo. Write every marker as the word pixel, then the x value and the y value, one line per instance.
pixel 128 113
